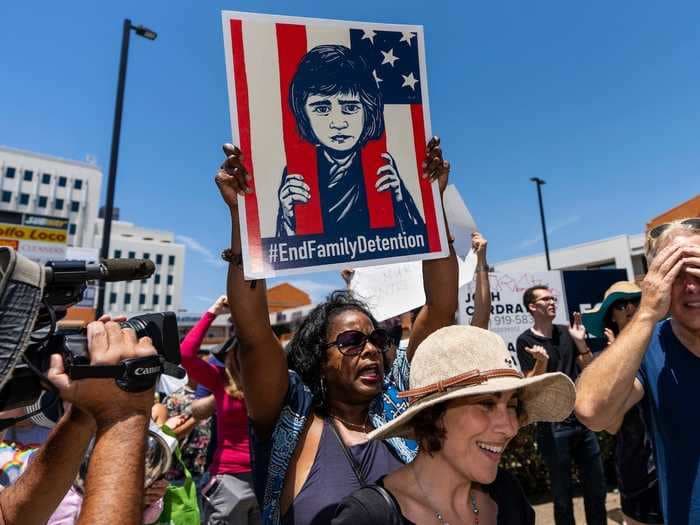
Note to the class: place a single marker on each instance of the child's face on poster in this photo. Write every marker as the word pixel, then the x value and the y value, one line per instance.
pixel 336 120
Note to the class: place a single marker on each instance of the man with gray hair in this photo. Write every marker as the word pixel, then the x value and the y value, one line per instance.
pixel 656 360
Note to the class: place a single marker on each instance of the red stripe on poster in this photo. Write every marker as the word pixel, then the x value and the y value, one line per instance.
pixel 426 189
pixel 379 204
pixel 301 155
pixel 242 108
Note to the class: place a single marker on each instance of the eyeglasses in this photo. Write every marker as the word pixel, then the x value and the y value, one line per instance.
pixel 548 299
pixel 656 232
pixel 623 303
pixel 352 342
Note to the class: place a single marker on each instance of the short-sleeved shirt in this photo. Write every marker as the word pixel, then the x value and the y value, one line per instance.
pixel 562 358
pixel 670 374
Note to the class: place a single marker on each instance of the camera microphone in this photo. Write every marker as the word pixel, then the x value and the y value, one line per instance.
pixel 75 272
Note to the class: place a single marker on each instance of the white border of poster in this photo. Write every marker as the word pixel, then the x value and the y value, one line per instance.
pixel 256 262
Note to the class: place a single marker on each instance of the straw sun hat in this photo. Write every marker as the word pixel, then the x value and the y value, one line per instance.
pixel 460 361
pixel 594 319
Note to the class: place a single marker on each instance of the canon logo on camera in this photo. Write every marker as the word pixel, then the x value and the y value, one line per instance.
pixel 147 371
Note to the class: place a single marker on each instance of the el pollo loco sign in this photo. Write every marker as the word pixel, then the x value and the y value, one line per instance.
pixel 36 228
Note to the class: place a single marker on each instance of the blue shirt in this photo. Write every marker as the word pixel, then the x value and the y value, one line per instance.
pixel 671 378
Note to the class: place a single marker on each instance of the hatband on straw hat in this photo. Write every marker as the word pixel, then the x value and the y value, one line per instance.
pixel 594 319
pixel 460 361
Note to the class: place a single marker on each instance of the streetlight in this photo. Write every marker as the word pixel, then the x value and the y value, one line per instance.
pixel 114 155
pixel 539 182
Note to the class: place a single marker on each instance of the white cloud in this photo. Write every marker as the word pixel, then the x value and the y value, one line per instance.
pixel 209 256
pixel 560 225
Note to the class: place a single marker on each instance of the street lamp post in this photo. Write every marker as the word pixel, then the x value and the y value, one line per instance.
pixel 114 155
pixel 539 182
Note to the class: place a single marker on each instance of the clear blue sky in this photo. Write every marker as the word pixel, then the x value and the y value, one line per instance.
pixel 601 100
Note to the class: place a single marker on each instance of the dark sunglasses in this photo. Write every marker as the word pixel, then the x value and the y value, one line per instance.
pixel 622 303
pixel 694 224
pixel 353 342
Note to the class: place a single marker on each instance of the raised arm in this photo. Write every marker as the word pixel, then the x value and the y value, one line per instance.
pixel 482 290
pixel 440 276
pixel 202 372
pixel 608 387
pixel 262 358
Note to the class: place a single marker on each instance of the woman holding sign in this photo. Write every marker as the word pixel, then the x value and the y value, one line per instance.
pixel 310 423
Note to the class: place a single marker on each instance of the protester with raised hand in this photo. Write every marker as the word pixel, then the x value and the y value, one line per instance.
pixel 228 496
pixel 310 424
pixel 656 360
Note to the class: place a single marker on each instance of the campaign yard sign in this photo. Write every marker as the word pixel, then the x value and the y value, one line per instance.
pixel 332 118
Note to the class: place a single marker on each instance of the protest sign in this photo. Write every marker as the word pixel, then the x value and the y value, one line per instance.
pixel 332 119
pixel 509 317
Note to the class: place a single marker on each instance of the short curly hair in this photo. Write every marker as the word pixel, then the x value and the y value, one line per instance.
pixel 306 350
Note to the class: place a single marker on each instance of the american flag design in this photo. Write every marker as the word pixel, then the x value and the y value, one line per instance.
pixel 264 56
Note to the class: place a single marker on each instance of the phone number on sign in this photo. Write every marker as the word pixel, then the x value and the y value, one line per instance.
pixel 505 320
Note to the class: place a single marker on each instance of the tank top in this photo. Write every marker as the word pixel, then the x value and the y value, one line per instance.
pixel 332 478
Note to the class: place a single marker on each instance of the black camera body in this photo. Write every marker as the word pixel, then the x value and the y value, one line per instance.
pixel 65 283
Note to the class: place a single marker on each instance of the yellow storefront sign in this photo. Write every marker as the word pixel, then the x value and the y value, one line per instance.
pixel 30 233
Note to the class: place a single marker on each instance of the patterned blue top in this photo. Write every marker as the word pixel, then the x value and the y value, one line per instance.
pixel 271 458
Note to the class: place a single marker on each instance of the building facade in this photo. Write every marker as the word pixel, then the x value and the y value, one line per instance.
pixel 44 185
pixel 163 290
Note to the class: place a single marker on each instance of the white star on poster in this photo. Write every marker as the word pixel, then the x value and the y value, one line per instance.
pixel 376 77
pixel 406 36
pixel 389 57
pixel 369 35
pixel 409 81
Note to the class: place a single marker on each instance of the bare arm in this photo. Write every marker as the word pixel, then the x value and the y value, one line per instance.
pixel 440 276
pixel 608 387
pixel 49 475
pixel 262 358
pixel 204 407
pixel 482 290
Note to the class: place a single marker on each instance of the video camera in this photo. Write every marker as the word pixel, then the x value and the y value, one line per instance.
pixel 32 301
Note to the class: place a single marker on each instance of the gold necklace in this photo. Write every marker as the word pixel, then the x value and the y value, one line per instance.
pixel 438 514
pixel 353 426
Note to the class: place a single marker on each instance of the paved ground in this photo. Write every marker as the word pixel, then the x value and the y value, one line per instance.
pixel 545 512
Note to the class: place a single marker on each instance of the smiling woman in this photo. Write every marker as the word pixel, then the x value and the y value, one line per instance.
pixel 467 401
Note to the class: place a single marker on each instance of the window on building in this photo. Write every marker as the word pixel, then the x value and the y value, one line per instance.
pixel 281 318
pixel 117 254
pixel 24 198
pixel 43 201
pixel 159 259
pixel 142 298
pixel 10 172
pixel 58 204
pixel 78 184
pixel 157 279
pixel 74 206
pixel 46 178
pixel 28 175
pixel 144 281
pixel 146 255
pixel 112 298
pixel 170 279
pixel 132 255
pixel 155 299
pixel 62 182
pixel 6 196
pixel 171 260
pixel 168 300
pixel 127 298
pixel 72 228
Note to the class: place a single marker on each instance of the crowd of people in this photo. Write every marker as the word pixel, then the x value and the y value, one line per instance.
pixel 348 424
